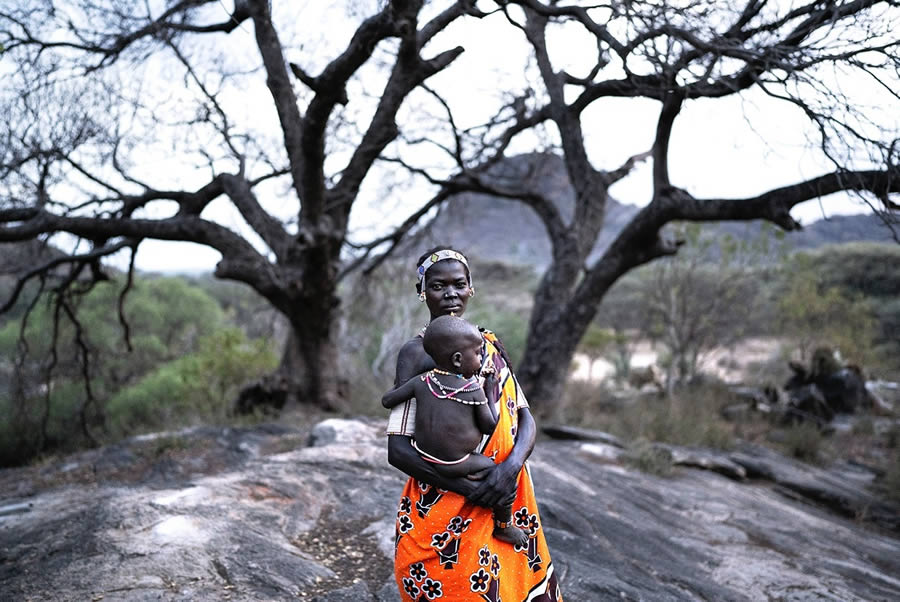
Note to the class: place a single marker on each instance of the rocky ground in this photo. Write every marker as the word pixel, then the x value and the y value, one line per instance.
pixel 278 512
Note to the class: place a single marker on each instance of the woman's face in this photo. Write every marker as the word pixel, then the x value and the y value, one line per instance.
pixel 447 288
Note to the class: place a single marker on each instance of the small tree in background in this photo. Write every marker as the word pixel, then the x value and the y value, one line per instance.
pixel 814 315
pixel 595 343
pixel 702 298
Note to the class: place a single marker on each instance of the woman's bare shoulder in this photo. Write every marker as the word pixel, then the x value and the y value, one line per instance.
pixel 411 349
pixel 411 360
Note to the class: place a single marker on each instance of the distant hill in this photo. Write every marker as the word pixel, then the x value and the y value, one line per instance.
pixel 498 229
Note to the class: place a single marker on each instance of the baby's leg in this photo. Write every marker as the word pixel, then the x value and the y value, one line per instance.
pixel 504 529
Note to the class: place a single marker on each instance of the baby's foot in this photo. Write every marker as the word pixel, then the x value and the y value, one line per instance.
pixel 510 534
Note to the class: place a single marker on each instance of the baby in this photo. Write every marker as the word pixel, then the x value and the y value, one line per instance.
pixel 452 411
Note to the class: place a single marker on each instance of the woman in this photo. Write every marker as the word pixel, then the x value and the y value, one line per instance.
pixel 444 547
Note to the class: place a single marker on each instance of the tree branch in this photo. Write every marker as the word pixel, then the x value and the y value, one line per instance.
pixel 279 85
pixel 670 109
pixel 269 229
pixel 775 205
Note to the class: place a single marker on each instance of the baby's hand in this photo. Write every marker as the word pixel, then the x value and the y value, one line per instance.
pixel 489 384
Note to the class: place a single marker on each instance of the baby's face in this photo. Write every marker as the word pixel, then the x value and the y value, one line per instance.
pixel 471 355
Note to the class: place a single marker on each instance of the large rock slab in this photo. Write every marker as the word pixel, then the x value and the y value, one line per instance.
pixel 256 514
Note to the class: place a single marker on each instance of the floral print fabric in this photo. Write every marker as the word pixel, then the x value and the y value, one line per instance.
pixel 444 548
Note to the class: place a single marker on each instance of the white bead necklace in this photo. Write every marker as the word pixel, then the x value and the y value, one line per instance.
pixel 470 384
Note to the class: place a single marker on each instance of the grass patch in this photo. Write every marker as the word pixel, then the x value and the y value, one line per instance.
pixel 804 441
pixel 649 458
pixel 692 417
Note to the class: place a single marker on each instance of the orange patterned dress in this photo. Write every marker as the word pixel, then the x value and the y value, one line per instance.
pixel 444 546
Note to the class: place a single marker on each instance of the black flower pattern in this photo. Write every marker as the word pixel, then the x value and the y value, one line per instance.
pixel 432 589
pixel 417 571
pixel 410 587
pixel 455 525
pixel 495 565
pixel 404 524
pixel 405 505
pixel 522 517
pixel 533 524
pixel 439 540
pixel 484 556
pixel 480 581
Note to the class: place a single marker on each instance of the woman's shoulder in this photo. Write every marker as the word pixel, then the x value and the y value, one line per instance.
pixel 412 360
pixel 414 345
pixel 411 351
pixel 488 334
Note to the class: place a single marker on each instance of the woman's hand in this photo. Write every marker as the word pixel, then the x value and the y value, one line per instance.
pixel 496 485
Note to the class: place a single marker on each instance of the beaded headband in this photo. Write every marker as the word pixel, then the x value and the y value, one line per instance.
pixel 436 257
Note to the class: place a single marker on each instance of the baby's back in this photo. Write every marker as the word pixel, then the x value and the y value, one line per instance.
pixel 445 428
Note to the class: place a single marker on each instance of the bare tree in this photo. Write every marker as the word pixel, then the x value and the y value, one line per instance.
pixel 677 53
pixel 95 93
pixel 703 297
pixel 72 164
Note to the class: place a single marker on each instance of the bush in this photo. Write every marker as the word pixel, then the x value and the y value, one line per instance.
pixel 195 389
pixel 804 441
pixel 47 404
pixel 846 296
pixel 691 417
pixel 649 458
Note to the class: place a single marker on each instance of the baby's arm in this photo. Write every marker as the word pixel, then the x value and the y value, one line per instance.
pixel 398 395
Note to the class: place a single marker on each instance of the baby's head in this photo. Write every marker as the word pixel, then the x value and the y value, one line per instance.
pixel 454 345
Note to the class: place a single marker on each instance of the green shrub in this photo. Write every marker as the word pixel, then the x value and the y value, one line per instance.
pixel 846 296
pixel 195 389
pixel 166 318
pixel 804 442
pixel 649 458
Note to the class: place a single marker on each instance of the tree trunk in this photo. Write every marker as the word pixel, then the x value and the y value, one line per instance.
pixel 564 307
pixel 553 336
pixel 309 371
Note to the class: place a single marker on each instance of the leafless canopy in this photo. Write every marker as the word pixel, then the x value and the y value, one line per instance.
pixel 99 97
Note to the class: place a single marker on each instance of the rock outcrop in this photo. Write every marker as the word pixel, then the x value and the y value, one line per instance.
pixel 283 513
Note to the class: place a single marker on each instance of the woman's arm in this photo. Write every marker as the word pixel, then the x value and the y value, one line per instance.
pixel 498 487
pixel 402 456
pixel 498 484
